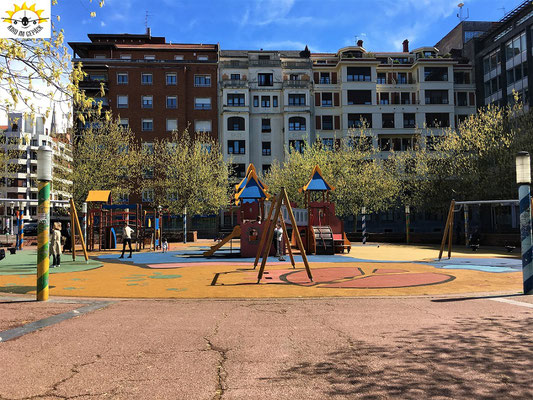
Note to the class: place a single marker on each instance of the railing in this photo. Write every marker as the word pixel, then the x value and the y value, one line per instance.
pixel 300 214
pixel 234 64
pixel 296 64
pixel 265 63
pixel 234 83
pixel 296 84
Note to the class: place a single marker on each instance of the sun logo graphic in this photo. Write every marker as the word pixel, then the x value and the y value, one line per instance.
pixel 26 22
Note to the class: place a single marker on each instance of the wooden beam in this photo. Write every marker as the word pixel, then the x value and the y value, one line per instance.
pixel 270 236
pixel 286 236
pixel 446 227
pixel 265 230
pixel 450 232
pixel 78 227
pixel 72 231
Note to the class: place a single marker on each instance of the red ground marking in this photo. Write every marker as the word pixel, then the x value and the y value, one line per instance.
pixel 393 281
pixel 196 264
pixel 321 275
pixel 388 271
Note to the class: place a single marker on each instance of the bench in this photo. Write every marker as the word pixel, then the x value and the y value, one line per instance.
pixel 338 243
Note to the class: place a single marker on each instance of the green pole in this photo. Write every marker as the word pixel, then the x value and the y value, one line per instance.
pixel 44 177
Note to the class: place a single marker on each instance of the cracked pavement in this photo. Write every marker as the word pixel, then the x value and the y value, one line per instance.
pixel 350 348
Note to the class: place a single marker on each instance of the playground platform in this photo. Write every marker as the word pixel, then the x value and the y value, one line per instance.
pixel 370 270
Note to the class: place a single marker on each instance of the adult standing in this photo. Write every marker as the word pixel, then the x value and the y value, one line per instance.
pixel 126 239
pixel 278 235
pixel 55 245
pixel 68 239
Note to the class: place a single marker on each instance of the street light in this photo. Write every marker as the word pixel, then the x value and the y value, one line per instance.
pixel 523 178
pixel 44 177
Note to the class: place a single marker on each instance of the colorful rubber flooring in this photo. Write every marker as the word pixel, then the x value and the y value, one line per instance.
pixel 367 271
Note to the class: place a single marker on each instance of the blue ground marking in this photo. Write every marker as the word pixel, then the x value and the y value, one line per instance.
pixel 478 264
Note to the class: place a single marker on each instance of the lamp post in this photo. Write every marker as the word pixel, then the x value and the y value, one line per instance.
pixel 363 223
pixel 44 177
pixel 523 178
pixel 407 221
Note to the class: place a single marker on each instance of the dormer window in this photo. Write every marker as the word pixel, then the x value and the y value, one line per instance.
pixel 264 57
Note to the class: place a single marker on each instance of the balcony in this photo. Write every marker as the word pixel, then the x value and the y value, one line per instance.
pixel 297 64
pixel 297 84
pixel 265 63
pixel 234 83
pixel 92 84
pixel 234 64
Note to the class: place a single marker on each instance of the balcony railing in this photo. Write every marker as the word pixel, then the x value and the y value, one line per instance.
pixel 297 64
pixel 265 63
pixel 239 83
pixel 296 84
pixel 234 64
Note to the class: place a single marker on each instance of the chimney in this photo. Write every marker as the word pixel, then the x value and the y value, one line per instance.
pixel 149 31
pixel 360 43
pixel 406 46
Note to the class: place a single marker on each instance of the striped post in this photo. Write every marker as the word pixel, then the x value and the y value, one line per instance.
pixel 363 223
pixel 20 225
pixel 407 222
pixel 525 235
pixel 43 233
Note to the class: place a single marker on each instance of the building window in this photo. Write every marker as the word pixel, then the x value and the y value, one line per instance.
pixel 359 97
pixel 327 99
pixel 148 195
pixel 125 56
pixel 388 120
pixel 147 101
pixel 405 98
pixel 202 126
pixel 328 143
pixel 327 122
pixel 382 78
pixel 265 101
pixel 515 46
pixel 358 74
pixel 492 61
pixel 202 58
pixel 435 74
pixel 401 78
pixel 202 80
pixel 396 143
pixel 122 101
pixel 461 77
pixel 236 100
pixel 172 124
pixel 236 124
pixel 296 145
pixel 122 78
pixel 462 99
pixel 296 124
pixel 178 57
pixel 239 170
pixel 409 120
pixel 383 98
pixel 297 99
pixel 235 77
pixel 172 102
pixel 266 150
pixel 124 123
pixel 265 80
pixel 236 147
pixel 202 103
pixel 357 121
pixel 438 120
pixel 172 78
pixel 325 78
pixel 266 168
pixel 274 101
pixel 149 57
pixel 146 79
pixel 436 96
pixel 100 56
pixel 148 124
pixel 265 125
pixel 256 101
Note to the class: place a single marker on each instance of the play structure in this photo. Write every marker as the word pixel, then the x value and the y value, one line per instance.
pixel 106 221
pixel 321 231
pixel 470 237
pixel 324 232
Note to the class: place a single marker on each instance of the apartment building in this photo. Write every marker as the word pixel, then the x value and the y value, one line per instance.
pixel 265 105
pixel 155 86
pixel 21 141
pixel 504 60
pixel 396 95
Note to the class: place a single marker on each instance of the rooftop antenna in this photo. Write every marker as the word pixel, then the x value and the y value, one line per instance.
pixel 503 10
pixel 460 13
pixel 146 16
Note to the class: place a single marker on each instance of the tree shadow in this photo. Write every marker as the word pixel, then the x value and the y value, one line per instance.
pixel 19 289
pixel 490 358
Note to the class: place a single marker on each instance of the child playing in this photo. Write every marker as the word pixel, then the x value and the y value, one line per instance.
pixel 165 245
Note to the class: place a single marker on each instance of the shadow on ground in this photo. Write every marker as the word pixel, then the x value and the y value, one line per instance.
pixel 487 359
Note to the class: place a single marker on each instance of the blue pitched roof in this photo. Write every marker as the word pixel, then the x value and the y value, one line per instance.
pixel 317 182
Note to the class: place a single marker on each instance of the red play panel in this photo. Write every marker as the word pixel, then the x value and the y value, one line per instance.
pixel 393 281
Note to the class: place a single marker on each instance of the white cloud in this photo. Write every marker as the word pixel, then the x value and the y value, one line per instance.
pixel 435 8
pixel 266 12
pixel 102 24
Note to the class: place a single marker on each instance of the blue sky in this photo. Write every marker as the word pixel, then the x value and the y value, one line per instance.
pixel 324 25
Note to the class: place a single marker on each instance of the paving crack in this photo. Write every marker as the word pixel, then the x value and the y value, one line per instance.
pixel 221 372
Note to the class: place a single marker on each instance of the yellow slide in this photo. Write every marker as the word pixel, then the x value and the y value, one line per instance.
pixel 235 233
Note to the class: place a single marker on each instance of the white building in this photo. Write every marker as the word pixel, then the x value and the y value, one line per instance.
pixel 265 105
pixel 21 141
